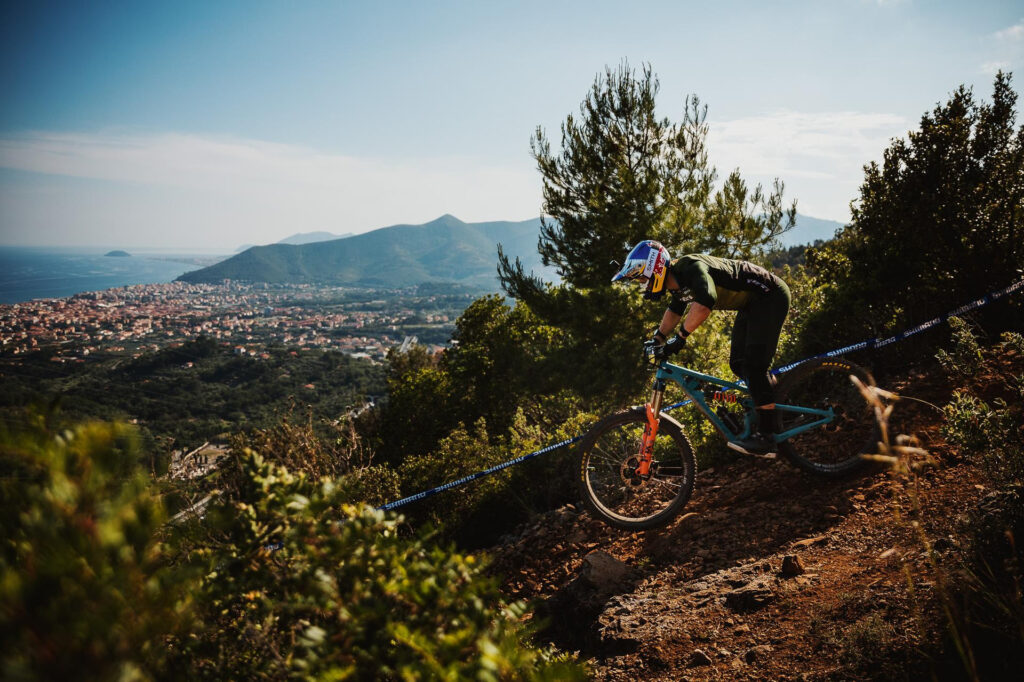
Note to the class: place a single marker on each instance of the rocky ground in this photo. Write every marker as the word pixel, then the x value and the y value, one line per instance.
pixel 769 574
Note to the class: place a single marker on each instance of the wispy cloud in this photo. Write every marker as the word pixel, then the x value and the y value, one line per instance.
pixel 991 68
pixel 1007 49
pixel 820 156
pixel 261 191
pixel 175 189
pixel 1015 32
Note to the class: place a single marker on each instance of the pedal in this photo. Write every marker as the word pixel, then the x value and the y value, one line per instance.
pixel 761 455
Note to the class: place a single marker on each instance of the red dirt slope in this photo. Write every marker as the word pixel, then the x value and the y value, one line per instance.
pixel 771 574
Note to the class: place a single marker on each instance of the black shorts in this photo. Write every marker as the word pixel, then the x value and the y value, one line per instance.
pixel 755 338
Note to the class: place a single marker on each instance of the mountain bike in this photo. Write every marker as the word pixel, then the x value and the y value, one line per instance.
pixel 637 467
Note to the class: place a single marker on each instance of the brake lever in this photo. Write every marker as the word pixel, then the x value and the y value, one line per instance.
pixel 650 353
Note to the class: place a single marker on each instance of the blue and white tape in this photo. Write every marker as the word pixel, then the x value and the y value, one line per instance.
pixel 924 326
pixel 479 474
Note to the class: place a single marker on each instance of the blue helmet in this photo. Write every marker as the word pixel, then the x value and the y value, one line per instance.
pixel 647 262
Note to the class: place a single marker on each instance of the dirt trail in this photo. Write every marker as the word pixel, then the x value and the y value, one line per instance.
pixel 709 596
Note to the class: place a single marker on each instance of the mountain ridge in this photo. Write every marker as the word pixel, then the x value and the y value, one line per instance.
pixel 444 249
pixel 809 229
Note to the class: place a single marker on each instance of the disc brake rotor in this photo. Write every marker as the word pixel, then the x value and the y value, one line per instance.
pixel 629 474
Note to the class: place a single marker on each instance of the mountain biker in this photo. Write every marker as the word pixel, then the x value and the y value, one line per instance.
pixel 707 282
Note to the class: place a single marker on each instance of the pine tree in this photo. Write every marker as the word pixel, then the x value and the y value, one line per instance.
pixel 623 174
pixel 938 223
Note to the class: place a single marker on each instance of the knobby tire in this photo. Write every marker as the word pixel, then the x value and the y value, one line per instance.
pixel 625 502
pixel 833 450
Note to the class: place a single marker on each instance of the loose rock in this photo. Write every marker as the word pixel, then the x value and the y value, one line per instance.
pixel 603 571
pixel 792 566
pixel 819 540
pixel 757 653
pixel 749 597
pixel 698 657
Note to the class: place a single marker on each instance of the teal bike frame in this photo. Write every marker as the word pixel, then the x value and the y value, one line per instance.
pixel 693 384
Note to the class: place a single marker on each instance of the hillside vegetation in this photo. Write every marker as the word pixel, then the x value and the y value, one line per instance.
pixel 911 570
pixel 200 390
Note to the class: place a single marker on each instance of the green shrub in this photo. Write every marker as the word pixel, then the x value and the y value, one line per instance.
pixel 965 358
pixel 992 432
pixel 345 596
pixel 93 583
pixel 936 223
pixel 461 453
pixel 83 585
pixel 373 485
pixel 317 449
pixel 861 642
pixel 1013 341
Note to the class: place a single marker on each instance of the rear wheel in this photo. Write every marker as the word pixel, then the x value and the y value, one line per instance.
pixel 834 449
pixel 613 490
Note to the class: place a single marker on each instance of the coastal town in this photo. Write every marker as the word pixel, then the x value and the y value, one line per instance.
pixel 133 320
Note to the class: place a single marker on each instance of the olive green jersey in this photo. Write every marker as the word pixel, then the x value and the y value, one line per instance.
pixel 720 283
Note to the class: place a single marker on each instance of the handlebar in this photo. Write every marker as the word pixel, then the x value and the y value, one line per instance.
pixel 654 354
pixel 650 353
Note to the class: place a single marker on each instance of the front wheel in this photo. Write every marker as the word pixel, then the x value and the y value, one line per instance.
pixel 613 490
pixel 833 449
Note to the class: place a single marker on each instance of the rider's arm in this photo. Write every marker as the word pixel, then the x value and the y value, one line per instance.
pixel 694 318
pixel 696 278
pixel 668 322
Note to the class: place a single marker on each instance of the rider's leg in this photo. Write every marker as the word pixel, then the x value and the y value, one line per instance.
pixel 767 316
pixel 764 321
pixel 738 345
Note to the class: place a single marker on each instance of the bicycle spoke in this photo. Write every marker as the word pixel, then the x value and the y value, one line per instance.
pixel 622 494
pixel 831 448
pixel 665 483
pixel 608 458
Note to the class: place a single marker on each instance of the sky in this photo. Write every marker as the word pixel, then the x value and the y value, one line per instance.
pixel 208 125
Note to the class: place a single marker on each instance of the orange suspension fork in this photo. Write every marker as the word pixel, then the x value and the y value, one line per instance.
pixel 651 429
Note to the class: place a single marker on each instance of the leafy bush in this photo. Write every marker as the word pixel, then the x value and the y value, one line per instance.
pixel 965 358
pixel 346 595
pixel 936 223
pixel 993 432
pixel 461 453
pixel 83 583
pixel 93 583
pixel 326 449
pixel 1013 341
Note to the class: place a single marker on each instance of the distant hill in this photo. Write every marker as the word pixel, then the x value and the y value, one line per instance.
pixel 117 254
pixel 443 250
pixel 312 237
pixel 808 229
pixel 302 238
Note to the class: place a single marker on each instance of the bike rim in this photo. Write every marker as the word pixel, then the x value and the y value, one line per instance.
pixel 837 444
pixel 616 489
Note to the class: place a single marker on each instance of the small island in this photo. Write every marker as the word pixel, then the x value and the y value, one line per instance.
pixel 118 254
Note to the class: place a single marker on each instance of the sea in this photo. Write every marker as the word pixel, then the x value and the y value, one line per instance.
pixel 33 272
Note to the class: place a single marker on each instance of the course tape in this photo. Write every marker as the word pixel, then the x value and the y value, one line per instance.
pixel 479 474
pixel 924 326
pixel 870 343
